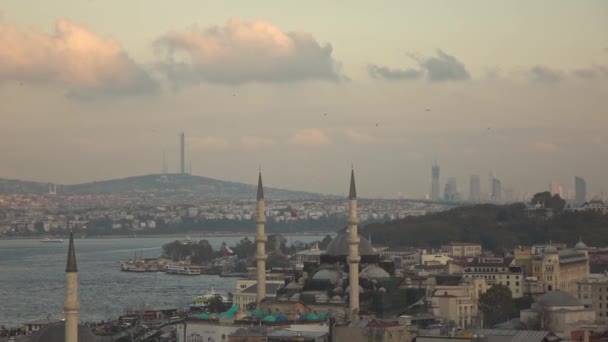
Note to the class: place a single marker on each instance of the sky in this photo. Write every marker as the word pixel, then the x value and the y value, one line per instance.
pixel 93 90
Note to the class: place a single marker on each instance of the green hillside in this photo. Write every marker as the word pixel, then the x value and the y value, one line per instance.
pixel 496 227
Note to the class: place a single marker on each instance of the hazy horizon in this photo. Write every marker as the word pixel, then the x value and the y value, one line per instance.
pixel 100 90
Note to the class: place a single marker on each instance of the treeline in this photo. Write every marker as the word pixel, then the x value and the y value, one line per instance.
pixel 496 227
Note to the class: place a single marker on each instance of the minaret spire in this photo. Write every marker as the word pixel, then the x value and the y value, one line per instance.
pixel 260 239
pixel 71 305
pixel 353 250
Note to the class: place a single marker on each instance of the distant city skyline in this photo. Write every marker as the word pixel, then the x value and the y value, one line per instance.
pixel 307 90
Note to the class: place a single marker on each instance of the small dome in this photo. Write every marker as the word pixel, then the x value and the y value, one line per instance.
pixel 339 246
pixel 295 297
pixel 292 286
pixel 580 245
pixel 327 274
pixel 550 250
pixel 558 298
pixel 374 272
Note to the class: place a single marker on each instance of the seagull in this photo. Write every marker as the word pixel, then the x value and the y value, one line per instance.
pixel 428 110
pixel 377 123
pixel 324 114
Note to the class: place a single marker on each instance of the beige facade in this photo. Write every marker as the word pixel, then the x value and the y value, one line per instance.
pixel 462 249
pixel 497 271
pixel 458 303
pixel 553 269
pixel 593 294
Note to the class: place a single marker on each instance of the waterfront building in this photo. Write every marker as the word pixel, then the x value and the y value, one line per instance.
pixel 462 249
pixel 550 268
pixel 497 271
pixel 580 191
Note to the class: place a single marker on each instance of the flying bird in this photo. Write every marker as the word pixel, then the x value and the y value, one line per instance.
pixel 428 110
pixel 377 123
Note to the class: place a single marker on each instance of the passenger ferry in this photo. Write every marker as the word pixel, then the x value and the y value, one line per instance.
pixel 183 269
pixel 51 240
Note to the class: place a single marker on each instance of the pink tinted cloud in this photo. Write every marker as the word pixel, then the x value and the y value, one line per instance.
pixel 244 51
pixel 72 57
pixel 309 136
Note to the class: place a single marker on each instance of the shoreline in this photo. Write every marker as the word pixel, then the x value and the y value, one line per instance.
pixel 179 236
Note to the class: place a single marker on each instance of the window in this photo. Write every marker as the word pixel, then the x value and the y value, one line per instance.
pixel 508 283
pixel 516 283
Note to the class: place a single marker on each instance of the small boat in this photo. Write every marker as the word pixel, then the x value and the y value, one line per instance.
pixel 51 240
pixel 202 300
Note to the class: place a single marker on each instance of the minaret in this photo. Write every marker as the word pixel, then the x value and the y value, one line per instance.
pixel 353 250
pixel 71 305
pixel 260 239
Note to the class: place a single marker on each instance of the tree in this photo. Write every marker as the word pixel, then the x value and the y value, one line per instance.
pixel 497 305
pixel 549 201
pixel 245 248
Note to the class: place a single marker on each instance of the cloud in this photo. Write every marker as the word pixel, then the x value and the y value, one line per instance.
pixel 208 143
pixel 244 51
pixel 255 142
pixel 546 147
pixel 358 137
pixel 544 74
pixel 439 68
pixel 71 57
pixel 310 136
pixel 377 71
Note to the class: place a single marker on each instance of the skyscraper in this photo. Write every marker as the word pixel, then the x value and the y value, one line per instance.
pixel 496 194
pixel 580 190
pixel 475 189
pixel 182 153
pixel 435 183
pixel 450 193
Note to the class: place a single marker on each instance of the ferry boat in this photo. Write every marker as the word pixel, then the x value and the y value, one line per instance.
pixel 51 240
pixel 200 302
pixel 183 269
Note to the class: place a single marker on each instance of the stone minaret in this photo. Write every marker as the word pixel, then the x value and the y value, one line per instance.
pixel 260 239
pixel 353 250
pixel 71 305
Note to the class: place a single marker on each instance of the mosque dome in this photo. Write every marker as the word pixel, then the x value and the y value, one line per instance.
pixel 374 272
pixel 339 246
pixel 558 298
pixel 580 245
pixel 327 274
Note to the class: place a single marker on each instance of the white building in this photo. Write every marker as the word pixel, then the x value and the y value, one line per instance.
pixel 497 271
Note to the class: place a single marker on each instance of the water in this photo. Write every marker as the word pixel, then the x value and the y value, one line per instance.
pixel 32 278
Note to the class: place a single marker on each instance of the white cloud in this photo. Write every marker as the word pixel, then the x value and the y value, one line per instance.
pixel 244 51
pixel 309 136
pixel 72 57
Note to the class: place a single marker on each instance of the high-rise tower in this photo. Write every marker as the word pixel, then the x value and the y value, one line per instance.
pixel 182 153
pixel 475 189
pixel 580 190
pixel 435 183
pixel 353 250
pixel 71 305
pixel 260 239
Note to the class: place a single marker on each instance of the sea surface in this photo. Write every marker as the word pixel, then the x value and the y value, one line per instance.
pixel 32 278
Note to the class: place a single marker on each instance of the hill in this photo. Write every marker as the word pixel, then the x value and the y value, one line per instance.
pixel 161 184
pixel 496 227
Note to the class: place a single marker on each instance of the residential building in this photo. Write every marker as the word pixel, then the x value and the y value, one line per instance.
pixel 462 249
pixel 497 271
pixel 593 293
pixel 458 303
